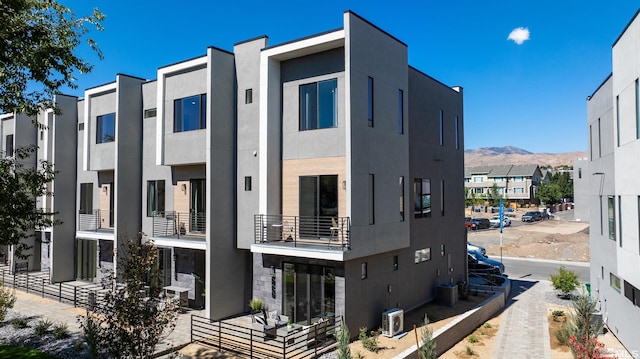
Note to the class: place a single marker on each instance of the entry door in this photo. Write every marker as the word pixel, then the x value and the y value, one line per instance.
pixel 86 259
pixel 318 203
pixel 198 206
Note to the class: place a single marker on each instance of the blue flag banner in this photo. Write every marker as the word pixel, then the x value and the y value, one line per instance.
pixel 501 215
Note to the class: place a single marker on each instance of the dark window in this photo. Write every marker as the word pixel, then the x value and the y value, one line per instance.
pixel 152 112
pixel 41 135
pixel 395 262
pixel 372 200
pixel 611 214
pixel 155 198
pixel 248 96
pixel 442 197
pixel 106 251
pixel 637 109
pixel 86 198
pixel 247 183
pixel 620 220
pixel 370 102
pixel 106 128
pixel 190 113
pixel 81 126
pixel 422 198
pixel 8 145
pixel 618 118
pixel 401 188
pixel 363 271
pixel 319 105
pixel 457 133
pixel 400 112
pixel 579 172
pixel 441 128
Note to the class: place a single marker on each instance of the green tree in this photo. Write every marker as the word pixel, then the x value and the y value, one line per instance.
pixel 134 315
pixel 38 39
pixel 20 185
pixel 583 326
pixel 565 281
pixel 492 196
pixel 428 348
pixel 565 184
pixel 549 193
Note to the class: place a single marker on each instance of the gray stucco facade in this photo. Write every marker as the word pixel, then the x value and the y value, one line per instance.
pixel 614 143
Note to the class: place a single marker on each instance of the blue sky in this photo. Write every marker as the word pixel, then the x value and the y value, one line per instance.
pixel 530 95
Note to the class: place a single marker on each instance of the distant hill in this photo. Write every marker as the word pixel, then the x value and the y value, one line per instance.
pixel 515 156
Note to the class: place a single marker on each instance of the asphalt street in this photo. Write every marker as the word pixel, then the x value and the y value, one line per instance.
pixel 541 269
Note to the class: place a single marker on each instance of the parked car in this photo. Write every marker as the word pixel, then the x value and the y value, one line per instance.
pixel 545 215
pixel 480 263
pixel 476 248
pixel 495 221
pixel 480 223
pixel 467 222
pixel 532 216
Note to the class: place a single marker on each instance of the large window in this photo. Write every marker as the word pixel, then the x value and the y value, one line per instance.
pixel 370 102
pixel 86 198
pixel 611 213
pixel 319 105
pixel 106 128
pixel 423 255
pixel 155 198
pixel 190 113
pixel 422 199
pixel 614 281
pixel 308 292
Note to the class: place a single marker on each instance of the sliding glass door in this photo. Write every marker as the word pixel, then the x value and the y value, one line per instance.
pixel 318 203
pixel 308 292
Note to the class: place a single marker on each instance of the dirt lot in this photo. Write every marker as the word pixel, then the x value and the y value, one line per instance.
pixel 549 239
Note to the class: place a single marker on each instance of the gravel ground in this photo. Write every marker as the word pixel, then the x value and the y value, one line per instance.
pixel 61 348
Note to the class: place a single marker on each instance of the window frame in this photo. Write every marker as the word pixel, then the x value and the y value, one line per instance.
pixel 306 105
pixel 178 112
pixel 156 198
pixel 101 136
pixel 422 208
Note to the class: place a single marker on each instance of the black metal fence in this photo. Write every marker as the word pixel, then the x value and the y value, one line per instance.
pixel 300 231
pixel 39 283
pixel 176 224
pixel 257 341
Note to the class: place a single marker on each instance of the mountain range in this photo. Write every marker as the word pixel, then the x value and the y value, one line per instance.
pixel 486 156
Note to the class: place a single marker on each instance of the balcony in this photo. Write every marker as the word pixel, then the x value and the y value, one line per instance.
pixel 179 225
pixel 95 220
pixel 303 232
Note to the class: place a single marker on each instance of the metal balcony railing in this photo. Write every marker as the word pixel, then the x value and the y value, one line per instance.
pixel 176 224
pixel 95 220
pixel 297 231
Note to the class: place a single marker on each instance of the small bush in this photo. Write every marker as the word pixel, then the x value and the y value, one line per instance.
pixel 487 325
pixel 472 339
pixel 18 323
pixel 369 342
pixel 470 351
pixel 78 346
pixel 556 314
pixel 60 331
pixel 343 341
pixel 565 281
pixel 42 327
pixel 7 300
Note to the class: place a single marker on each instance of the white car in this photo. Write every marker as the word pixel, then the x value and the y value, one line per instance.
pixel 476 248
pixel 495 221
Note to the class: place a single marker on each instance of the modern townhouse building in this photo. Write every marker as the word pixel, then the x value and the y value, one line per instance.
pixel 322 176
pixel 517 183
pixel 109 153
pixel 356 156
pixel 614 143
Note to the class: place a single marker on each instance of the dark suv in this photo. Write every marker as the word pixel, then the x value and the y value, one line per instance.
pixel 480 223
pixel 532 216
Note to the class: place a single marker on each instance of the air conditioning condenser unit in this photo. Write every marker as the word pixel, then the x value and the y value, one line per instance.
pixel 392 322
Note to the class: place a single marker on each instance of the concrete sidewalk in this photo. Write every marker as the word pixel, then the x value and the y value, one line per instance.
pixel 36 306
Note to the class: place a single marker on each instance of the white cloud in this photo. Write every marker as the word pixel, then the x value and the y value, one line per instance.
pixel 519 35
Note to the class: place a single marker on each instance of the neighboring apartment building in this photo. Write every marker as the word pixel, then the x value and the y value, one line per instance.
pixel 613 113
pixel 517 183
pixel 312 175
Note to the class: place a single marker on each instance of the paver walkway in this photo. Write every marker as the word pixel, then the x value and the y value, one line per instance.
pixel 36 306
pixel 524 331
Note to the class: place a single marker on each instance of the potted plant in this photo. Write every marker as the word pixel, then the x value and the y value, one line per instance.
pixel 256 306
pixel 289 324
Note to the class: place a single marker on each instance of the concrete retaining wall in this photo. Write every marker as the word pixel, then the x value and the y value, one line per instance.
pixel 452 333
